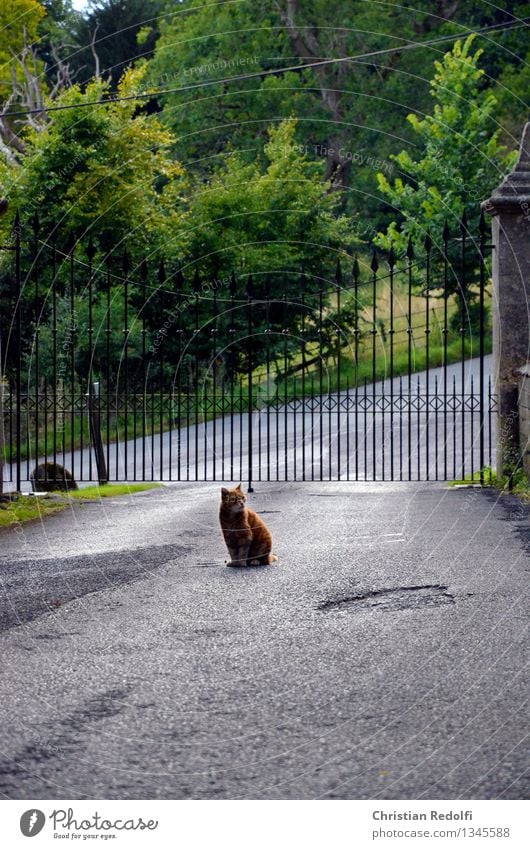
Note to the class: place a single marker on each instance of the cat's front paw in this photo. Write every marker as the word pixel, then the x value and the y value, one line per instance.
pixel 234 563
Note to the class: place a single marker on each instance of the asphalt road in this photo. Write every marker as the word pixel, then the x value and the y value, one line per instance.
pixel 383 657
pixel 428 430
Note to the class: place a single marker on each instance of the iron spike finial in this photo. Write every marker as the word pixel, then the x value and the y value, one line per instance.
pixel 70 242
pixel 427 243
pixel 374 265
pixel 355 269
pixel 179 280
pixel 91 250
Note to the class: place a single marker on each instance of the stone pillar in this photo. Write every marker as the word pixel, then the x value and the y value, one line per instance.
pixel 509 206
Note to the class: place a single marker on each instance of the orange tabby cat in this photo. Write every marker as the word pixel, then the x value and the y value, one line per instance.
pixel 247 537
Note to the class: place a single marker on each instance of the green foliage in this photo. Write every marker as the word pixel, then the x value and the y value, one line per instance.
pixel 273 219
pixel 123 31
pixel 199 45
pixel 512 96
pixel 515 483
pixel 462 159
pixel 342 106
pixel 254 193
pixel 355 107
pixel 19 23
pixel 101 170
pixel 272 216
pixel 108 490
pixel 57 38
pixel 24 509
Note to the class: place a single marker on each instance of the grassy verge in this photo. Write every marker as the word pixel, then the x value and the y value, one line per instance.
pixel 25 508
pixel 93 493
pixel 516 485
pixel 369 370
pixel 75 433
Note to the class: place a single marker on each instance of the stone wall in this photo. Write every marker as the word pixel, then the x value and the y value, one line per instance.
pixel 524 417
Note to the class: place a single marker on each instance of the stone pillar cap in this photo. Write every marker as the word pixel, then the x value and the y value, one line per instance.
pixel 514 191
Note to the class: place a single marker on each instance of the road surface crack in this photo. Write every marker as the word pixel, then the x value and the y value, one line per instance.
pixel 393 598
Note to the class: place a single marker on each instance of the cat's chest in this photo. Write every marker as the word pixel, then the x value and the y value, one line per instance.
pixel 230 526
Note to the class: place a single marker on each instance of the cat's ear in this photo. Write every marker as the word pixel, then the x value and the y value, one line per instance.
pixel 239 487
pixel 224 490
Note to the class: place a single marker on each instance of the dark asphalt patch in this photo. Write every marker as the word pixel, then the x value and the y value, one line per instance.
pixel 516 511
pixel 395 598
pixel 32 588
pixel 60 740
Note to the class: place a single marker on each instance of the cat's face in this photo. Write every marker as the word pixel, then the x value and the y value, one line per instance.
pixel 233 498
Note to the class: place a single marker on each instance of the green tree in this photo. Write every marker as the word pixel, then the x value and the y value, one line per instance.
pixel 58 45
pixel 19 23
pixel 461 161
pixel 350 110
pixel 340 105
pixel 275 214
pixel 113 34
pixel 272 220
pixel 102 170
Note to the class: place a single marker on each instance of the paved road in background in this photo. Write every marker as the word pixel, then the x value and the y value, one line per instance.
pixel 381 658
pixel 351 436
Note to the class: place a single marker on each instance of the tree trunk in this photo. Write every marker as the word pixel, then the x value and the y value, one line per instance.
pixel 306 47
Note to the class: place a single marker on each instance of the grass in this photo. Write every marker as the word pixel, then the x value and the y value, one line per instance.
pixel 516 484
pixel 489 479
pixel 368 368
pixel 75 432
pixel 25 508
pixel 109 490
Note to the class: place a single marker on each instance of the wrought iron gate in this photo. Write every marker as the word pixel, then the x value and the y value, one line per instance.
pixel 380 375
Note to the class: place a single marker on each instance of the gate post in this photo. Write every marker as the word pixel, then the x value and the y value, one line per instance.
pixel 95 433
pixel 509 206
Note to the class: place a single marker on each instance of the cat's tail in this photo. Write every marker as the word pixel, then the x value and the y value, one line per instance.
pixel 273 558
